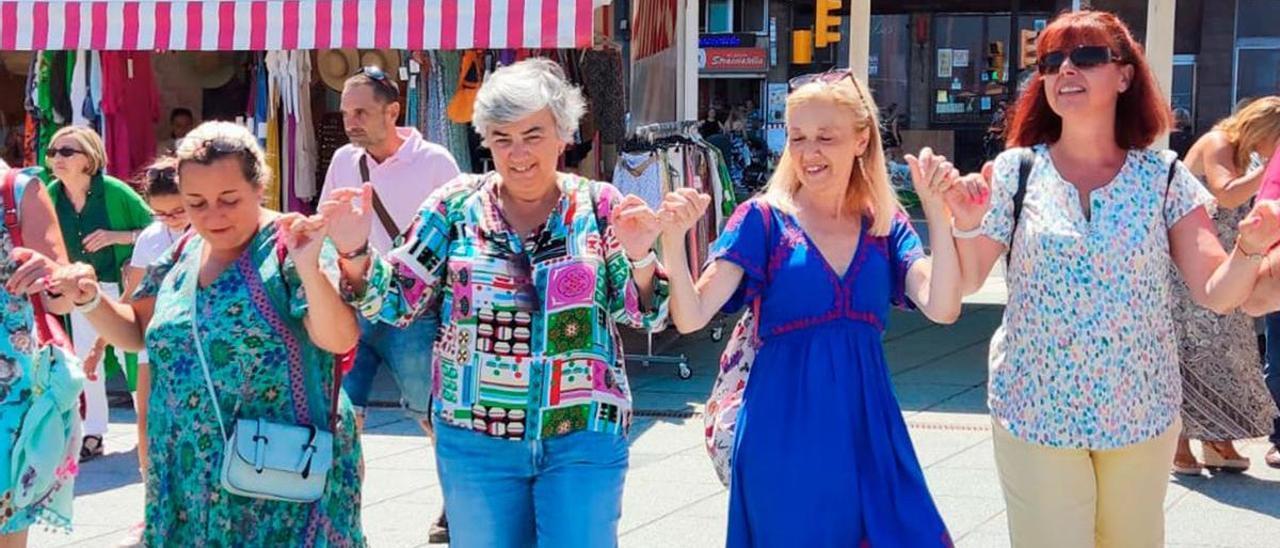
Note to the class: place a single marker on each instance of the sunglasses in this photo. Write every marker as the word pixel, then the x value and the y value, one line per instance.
pixel 380 76
pixel 65 152
pixel 829 77
pixel 1082 57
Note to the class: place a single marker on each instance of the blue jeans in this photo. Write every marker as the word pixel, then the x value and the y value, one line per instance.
pixel 1273 369
pixel 406 352
pixel 564 492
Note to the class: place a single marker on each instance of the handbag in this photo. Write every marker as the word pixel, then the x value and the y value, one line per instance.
pixel 265 459
pixel 720 416
pixel 47 441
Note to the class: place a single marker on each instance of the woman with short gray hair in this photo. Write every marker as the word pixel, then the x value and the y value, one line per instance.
pixel 530 270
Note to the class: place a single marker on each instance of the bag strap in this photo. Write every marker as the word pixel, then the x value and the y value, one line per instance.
pixel 204 365
pixel 1026 160
pixel 13 224
pixel 766 212
pixel 384 216
pixel 281 254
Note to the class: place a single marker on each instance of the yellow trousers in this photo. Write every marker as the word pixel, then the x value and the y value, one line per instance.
pixel 1077 498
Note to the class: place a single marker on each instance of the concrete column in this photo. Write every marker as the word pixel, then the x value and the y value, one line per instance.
pixel 1159 46
pixel 859 37
pixel 687 82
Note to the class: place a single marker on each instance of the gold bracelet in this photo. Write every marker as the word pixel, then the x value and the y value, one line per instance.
pixel 1255 257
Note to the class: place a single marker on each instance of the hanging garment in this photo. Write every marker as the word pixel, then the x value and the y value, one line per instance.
pixel 640 174
pixel 469 80
pixel 304 161
pixel 79 88
pixel 131 108
pixel 602 79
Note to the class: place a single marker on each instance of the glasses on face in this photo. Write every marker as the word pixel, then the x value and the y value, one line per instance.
pixel 65 152
pixel 829 77
pixel 1082 57
pixel 380 76
pixel 168 215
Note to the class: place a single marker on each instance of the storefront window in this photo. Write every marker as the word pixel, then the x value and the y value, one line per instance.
pixel 1257 72
pixel 971 62
pixel 1257 18
pixel 888 66
pixel 1257 49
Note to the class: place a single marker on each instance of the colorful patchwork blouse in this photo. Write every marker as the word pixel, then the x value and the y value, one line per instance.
pixel 1086 356
pixel 528 346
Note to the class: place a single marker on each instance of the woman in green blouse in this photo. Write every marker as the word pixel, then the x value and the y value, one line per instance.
pixel 100 218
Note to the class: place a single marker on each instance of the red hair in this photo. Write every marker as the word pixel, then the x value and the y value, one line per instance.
pixel 1142 113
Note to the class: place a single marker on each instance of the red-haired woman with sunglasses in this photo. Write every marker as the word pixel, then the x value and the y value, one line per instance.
pixel 1084 386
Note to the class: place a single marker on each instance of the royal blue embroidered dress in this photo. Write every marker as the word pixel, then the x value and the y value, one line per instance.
pixel 822 456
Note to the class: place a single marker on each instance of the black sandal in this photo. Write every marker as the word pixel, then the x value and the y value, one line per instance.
pixel 90 451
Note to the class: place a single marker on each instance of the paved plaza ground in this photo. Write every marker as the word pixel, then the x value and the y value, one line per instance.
pixel 672 497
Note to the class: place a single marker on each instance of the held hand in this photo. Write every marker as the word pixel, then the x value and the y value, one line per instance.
pixel 33 272
pixel 93 358
pixel 304 237
pixel 348 213
pixel 635 225
pixel 1260 229
pixel 681 210
pixel 970 198
pixel 105 238
pixel 77 281
pixel 931 175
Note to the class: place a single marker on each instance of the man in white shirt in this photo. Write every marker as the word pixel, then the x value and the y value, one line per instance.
pixel 404 169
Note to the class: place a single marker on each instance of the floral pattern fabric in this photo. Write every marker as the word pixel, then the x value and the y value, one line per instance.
pixel 1086 356
pixel 18 393
pixel 528 347
pixel 1224 396
pixel 253 377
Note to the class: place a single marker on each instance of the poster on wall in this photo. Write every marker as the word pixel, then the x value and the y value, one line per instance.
pixel 944 63
pixel 655 61
pixel 960 58
pixel 777 102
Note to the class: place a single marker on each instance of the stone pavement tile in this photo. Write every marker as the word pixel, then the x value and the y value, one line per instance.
pixel 949 421
pixel 399 523
pixel 983 539
pixel 966 366
pixel 969 484
pixel 668 401
pixel 381 485
pixel 665 436
pixel 686 468
pixel 919 396
pixel 978 456
pixel 973 400
pixel 676 531
pixel 415 459
pixel 935 446
pixel 964 515
pixel 84 536
pixel 649 499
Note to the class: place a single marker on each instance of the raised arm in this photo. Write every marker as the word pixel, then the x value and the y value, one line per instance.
pixel 1231 187
pixel 933 283
pixel 330 322
pixel 693 305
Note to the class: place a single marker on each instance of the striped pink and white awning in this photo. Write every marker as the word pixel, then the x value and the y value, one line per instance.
pixel 220 25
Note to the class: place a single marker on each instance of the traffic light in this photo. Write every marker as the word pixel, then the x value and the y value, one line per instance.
pixel 801 47
pixel 995 62
pixel 1027 48
pixel 826 29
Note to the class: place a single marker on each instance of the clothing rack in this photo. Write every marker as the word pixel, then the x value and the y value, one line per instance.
pixel 651 133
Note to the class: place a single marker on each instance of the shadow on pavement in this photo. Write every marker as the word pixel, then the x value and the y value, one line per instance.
pixel 1237 490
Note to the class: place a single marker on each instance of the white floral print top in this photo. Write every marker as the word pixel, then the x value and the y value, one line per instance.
pixel 1086 355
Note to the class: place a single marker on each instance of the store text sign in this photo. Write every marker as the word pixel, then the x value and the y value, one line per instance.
pixel 733 60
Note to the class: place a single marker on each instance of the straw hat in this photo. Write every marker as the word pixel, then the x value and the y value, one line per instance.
pixel 336 65
pixel 210 69
pixel 16 62
pixel 386 59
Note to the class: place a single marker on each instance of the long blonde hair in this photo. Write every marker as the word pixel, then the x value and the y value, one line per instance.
pixel 869 191
pixel 1251 127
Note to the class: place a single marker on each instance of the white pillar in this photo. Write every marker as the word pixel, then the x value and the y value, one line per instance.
pixel 1160 18
pixel 687 82
pixel 859 37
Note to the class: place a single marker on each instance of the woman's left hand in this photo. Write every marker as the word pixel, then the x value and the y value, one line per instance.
pixel 635 225
pixel 303 236
pixel 105 238
pixel 932 176
pixel 1260 230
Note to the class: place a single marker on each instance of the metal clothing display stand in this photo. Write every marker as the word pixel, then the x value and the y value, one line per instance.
pixel 651 133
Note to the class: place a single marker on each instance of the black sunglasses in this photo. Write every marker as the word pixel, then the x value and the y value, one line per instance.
pixel 829 77
pixel 380 76
pixel 1082 57
pixel 65 152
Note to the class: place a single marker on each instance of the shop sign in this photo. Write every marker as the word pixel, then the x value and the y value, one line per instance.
pixel 739 40
pixel 733 60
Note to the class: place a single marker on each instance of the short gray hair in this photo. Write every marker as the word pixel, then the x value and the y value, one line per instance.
pixel 516 91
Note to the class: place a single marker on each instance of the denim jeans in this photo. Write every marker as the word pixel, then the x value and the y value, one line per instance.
pixel 1273 369
pixel 562 492
pixel 406 352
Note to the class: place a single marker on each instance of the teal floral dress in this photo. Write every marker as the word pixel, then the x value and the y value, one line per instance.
pixel 186 505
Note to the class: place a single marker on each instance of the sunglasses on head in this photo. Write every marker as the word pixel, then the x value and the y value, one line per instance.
pixel 829 77
pixel 1082 57
pixel 380 76
pixel 65 152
